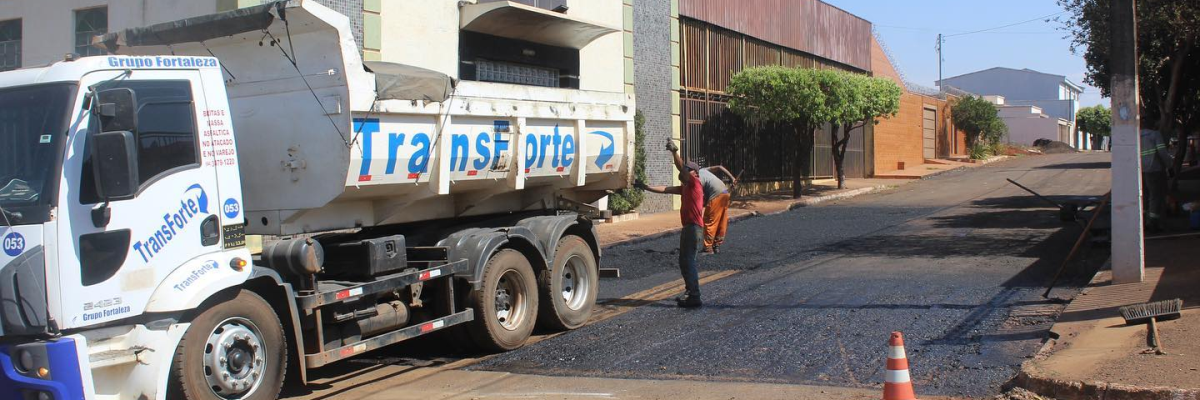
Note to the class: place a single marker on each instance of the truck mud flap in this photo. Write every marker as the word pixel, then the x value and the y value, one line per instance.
pixel 335 354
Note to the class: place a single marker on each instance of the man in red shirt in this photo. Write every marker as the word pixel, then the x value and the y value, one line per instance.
pixel 691 215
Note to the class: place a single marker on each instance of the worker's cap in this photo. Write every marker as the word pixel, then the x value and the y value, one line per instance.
pixel 691 165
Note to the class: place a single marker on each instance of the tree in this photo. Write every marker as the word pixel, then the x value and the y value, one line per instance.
pixel 629 199
pixel 1167 31
pixel 854 101
pixel 979 119
pixel 1096 121
pixel 784 95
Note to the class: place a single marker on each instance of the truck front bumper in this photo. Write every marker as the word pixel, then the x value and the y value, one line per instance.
pixel 41 370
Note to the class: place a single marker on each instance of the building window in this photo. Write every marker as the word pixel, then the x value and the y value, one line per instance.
pixel 494 71
pixel 10 44
pixel 491 58
pixel 88 24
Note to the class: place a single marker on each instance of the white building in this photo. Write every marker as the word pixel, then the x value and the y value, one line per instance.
pixel 1026 123
pixel 570 44
pixel 1054 95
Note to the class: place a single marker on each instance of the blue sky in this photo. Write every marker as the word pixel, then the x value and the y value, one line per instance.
pixel 909 28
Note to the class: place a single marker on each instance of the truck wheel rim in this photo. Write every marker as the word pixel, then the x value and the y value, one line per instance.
pixel 575 283
pixel 234 358
pixel 511 307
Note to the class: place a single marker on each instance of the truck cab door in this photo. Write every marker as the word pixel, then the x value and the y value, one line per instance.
pixel 108 271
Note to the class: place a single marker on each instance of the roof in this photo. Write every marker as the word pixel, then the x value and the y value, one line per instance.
pixel 1062 78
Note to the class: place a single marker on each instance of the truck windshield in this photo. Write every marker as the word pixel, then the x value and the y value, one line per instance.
pixel 33 123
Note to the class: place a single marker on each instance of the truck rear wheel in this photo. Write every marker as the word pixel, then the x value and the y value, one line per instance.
pixel 233 350
pixel 506 306
pixel 568 289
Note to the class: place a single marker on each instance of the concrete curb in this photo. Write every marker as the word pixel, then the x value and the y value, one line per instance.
pixel 812 201
pixel 804 202
pixel 1032 380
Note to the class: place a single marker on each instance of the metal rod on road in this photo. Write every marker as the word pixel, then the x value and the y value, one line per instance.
pixel 1035 193
pixel 1078 242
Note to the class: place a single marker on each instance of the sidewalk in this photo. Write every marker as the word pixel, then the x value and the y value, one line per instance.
pixel 652 226
pixel 1096 356
pixel 935 167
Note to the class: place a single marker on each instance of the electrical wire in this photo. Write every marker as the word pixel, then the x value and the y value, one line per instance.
pixel 1006 26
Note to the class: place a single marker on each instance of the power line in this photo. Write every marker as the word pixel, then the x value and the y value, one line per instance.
pixel 1006 26
pixel 932 31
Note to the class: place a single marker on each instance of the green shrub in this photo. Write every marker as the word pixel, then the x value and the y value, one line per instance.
pixel 979 152
pixel 628 199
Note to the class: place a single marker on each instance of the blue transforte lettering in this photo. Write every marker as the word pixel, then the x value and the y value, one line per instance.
pixel 193 204
pixel 468 152
pixel 196 275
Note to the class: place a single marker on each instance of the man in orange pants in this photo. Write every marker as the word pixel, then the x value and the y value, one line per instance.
pixel 716 207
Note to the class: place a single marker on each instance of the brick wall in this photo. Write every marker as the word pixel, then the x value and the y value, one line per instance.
pixel 652 69
pixel 899 138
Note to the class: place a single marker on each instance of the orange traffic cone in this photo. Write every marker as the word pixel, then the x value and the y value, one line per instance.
pixel 896 383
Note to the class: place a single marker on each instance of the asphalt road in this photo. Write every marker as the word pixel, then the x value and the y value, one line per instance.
pixel 956 262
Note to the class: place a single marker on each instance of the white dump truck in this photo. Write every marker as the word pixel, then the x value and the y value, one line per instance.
pixel 391 202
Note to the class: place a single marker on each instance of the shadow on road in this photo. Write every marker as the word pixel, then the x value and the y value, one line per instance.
pixel 1029 201
pixel 1008 219
pixel 1082 165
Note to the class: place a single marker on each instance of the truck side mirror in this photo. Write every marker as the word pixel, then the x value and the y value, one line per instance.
pixel 116 109
pixel 114 161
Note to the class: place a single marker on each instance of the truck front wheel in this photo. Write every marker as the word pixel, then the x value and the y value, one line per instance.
pixel 569 286
pixel 233 350
pixel 506 306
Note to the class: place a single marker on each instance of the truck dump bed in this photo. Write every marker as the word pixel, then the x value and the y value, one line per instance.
pixel 325 142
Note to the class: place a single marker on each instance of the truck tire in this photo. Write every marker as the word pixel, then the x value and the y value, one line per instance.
pixel 568 289
pixel 506 305
pixel 235 349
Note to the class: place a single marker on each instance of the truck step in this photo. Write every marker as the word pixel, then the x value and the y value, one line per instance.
pixel 112 358
pixel 383 284
pixel 319 359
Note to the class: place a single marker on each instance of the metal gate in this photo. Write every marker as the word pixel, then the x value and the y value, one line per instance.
pixel 855 163
pixel 713 135
pixel 930 124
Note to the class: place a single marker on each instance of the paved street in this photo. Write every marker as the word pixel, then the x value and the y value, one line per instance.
pixel 957 263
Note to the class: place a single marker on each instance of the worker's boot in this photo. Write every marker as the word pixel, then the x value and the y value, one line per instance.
pixel 688 300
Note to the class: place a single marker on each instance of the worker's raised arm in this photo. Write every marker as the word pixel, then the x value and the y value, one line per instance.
pixel 663 189
pixel 671 147
pixel 721 168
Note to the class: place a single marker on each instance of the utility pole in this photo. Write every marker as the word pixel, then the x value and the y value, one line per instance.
pixel 1128 262
pixel 938 46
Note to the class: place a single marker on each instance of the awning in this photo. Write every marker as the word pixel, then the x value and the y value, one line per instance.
pixel 405 82
pixel 518 21
pixel 197 29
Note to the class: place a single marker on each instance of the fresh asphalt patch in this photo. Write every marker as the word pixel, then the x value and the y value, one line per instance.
pixel 957 263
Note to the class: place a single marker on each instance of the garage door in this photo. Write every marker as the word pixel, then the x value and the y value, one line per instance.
pixel 930 124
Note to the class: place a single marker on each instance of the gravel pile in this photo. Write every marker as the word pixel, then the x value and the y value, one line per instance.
pixel 1053 147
